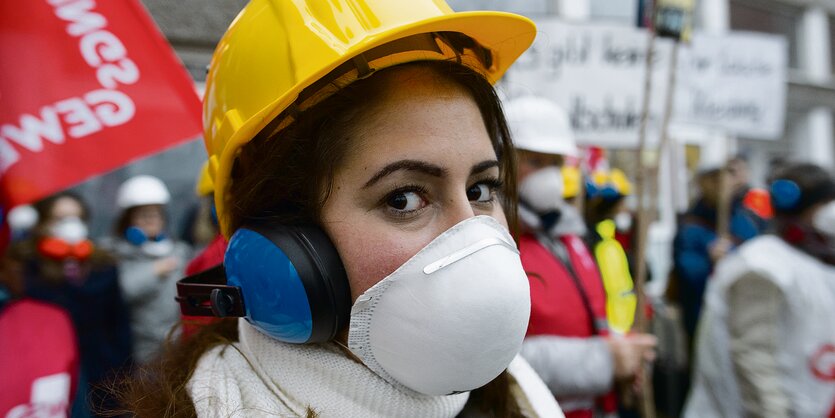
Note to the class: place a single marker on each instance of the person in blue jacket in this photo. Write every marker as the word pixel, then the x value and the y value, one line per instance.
pixel 697 247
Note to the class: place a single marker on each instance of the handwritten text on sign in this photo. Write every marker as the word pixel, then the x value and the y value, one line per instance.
pixel 734 82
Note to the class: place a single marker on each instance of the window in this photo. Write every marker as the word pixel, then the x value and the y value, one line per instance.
pixel 832 42
pixel 768 16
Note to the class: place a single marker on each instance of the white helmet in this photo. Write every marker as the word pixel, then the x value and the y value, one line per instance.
pixel 140 191
pixel 540 125
pixel 22 218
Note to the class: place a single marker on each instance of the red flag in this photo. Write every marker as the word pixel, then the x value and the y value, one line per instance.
pixel 85 87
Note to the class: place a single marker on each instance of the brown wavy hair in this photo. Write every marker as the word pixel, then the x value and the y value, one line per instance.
pixel 286 179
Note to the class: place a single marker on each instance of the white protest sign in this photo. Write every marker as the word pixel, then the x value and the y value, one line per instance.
pixel 596 73
pixel 735 82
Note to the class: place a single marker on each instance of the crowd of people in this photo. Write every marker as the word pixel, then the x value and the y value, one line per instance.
pixel 386 237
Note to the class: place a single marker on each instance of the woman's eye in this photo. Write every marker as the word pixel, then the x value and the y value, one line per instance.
pixel 480 192
pixel 405 201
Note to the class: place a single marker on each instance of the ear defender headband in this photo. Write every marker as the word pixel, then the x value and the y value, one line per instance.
pixel 286 280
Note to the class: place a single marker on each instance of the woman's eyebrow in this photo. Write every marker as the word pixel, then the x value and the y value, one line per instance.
pixel 408 165
pixel 483 166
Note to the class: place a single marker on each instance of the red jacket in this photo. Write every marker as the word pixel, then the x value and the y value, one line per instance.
pixel 211 256
pixel 557 306
pixel 562 305
pixel 38 360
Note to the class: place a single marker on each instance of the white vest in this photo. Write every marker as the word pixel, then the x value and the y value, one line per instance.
pixel 806 350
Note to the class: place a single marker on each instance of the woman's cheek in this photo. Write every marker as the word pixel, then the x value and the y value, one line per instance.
pixel 368 257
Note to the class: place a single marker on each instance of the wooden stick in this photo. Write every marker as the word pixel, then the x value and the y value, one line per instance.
pixel 646 400
pixel 723 206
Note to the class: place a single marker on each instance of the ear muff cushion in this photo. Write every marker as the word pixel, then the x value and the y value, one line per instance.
pixel 785 194
pixel 135 236
pixel 292 280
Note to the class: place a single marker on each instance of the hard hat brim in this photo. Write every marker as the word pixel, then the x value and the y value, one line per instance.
pixel 506 35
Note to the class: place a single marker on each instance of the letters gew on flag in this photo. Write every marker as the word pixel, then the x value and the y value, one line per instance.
pixel 85 87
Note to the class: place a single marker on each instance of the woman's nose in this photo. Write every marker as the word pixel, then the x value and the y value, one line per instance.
pixel 458 209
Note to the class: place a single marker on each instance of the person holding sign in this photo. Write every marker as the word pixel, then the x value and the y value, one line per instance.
pixel 766 344
pixel 698 244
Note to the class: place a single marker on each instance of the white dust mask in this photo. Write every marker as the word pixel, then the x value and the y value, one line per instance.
pixel 159 248
pixel 824 220
pixel 623 221
pixel 71 230
pixel 451 318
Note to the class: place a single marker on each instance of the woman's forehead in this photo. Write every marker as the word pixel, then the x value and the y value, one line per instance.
pixel 431 121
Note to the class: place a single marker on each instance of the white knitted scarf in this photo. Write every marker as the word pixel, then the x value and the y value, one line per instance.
pixel 260 376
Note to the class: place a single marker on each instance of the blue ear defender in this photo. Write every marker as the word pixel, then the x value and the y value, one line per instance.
pixel 785 194
pixel 136 236
pixel 288 281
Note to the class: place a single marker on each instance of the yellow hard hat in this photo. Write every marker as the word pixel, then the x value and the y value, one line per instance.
pixel 571 179
pixel 609 184
pixel 283 53
pixel 621 182
pixel 205 186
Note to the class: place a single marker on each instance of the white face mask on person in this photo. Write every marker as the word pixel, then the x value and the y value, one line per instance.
pixel 623 221
pixel 159 248
pixel 71 230
pixel 451 318
pixel 824 220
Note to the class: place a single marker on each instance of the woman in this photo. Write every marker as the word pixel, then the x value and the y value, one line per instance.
pixel 150 262
pixel 61 266
pixel 766 343
pixel 375 128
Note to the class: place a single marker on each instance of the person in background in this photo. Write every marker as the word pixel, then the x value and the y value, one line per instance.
pixel 697 245
pixel 199 228
pixel 568 341
pixel 608 216
pixel 39 354
pixel 21 220
pixel 212 254
pixel 61 266
pixel 150 262
pixel 766 344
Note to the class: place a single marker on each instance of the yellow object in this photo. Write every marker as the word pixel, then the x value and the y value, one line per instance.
pixel 621 300
pixel 292 54
pixel 205 186
pixel 572 181
pixel 622 184
pixel 615 179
